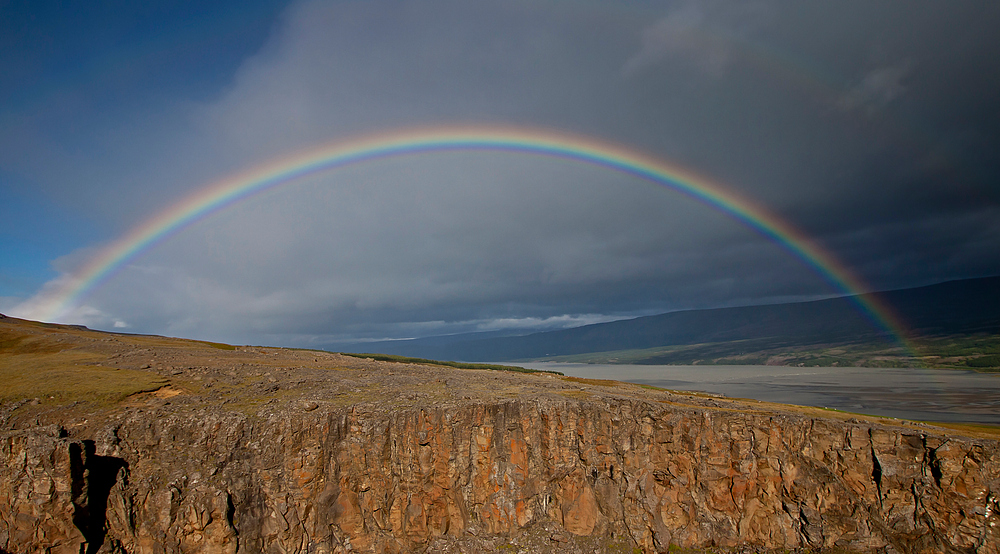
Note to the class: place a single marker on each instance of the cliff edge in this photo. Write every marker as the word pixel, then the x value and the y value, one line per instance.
pixel 137 444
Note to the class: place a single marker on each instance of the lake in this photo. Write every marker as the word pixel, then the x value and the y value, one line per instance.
pixel 918 394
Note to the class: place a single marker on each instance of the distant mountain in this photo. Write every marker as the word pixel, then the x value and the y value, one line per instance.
pixel 954 307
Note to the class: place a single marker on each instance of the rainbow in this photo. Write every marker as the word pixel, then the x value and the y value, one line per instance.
pixel 218 196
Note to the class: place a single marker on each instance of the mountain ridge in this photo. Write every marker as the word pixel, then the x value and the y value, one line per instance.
pixel 953 307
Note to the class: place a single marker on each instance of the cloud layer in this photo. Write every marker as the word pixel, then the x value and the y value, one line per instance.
pixel 868 129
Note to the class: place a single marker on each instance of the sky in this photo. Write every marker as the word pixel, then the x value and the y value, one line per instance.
pixel 873 131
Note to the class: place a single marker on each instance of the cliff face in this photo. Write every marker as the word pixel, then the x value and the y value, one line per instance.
pixel 129 444
pixel 601 474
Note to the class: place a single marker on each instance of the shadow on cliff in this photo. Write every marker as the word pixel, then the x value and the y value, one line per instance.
pixel 93 477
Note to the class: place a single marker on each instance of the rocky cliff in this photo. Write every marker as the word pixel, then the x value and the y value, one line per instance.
pixel 269 450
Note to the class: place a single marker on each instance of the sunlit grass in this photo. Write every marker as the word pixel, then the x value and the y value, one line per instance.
pixel 63 378
pixel 596 382
pixel 458 365
pixel 218 345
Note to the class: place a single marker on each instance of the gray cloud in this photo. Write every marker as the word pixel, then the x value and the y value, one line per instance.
pixel 878 87
pixel 705 34
pixel 754 96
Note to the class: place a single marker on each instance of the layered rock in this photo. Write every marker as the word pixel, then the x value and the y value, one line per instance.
pixel 543 473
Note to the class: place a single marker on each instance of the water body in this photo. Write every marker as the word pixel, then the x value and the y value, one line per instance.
pixel 918 394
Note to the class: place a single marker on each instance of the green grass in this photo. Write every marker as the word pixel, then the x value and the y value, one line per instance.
pixel 597 382
pixel 459 365
pixel 987 361
pixel 219 345
pixel 65 378
pixel 980 352
pixel 23 343
pixel 42 366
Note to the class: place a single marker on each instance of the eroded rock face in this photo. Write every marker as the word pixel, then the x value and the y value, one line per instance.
pixel 549 474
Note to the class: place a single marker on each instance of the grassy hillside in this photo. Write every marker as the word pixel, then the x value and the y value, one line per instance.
pixel 48 363
pixel 458 365
pixel 53 366
pixel 957 324
pixel 980 352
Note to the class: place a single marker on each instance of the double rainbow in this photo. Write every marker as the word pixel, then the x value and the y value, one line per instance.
pixel 220 195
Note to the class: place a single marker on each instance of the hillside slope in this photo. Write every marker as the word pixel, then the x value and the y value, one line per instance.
pixel 954 308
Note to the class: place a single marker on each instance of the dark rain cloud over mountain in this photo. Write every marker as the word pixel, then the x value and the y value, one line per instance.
pixel 871 128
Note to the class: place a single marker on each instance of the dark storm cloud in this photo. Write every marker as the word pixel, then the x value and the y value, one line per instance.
pixel 870 128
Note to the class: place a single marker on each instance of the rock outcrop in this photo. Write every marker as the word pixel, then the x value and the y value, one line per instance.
pixel 557 473
pixel 271 451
